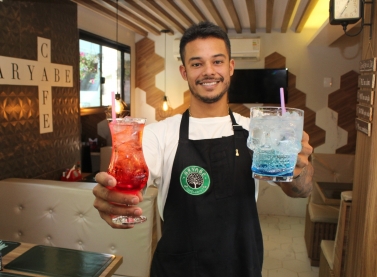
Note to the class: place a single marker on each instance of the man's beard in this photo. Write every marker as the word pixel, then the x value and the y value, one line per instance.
pixel 212 99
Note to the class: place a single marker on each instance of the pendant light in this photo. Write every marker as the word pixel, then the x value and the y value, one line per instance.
pixel 164 109
pixel 120 105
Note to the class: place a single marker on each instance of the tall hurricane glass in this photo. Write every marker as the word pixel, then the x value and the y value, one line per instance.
pixel 127 163
pixel 275 139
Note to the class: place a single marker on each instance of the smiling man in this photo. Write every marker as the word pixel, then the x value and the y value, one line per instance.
pixel 207 70
pixel 201 165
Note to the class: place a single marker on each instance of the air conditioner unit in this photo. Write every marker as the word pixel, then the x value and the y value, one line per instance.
pixel 242 48
pixel 245 48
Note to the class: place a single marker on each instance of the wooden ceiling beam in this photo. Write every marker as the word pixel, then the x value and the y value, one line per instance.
pixel 151 4
pixel 193 8
pixel 132 17
pixel 178 12
pixel 288 15
pixel 252 16
pixel 143 13
pixel 152 16
pixel 269 14
pixel 109 14
pixel 215 14
pixel 310 5
pixel 233 15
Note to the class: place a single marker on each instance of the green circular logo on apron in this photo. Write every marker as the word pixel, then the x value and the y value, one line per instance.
pixel 195 180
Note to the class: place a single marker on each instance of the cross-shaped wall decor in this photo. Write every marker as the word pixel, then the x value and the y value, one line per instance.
pixel 41 73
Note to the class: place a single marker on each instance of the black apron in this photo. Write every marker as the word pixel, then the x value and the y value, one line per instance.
pixel 211 226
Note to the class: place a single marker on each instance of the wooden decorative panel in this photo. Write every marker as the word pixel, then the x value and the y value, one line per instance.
pixel 344 101
pixel 361 259
pixel 148 65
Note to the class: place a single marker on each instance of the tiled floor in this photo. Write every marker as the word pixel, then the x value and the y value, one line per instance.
pixel 284 247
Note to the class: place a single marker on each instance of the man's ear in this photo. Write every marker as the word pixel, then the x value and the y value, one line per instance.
pixel 231 67
pixel 182 69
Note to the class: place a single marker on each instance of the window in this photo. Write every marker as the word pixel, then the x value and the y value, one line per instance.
pixel 105 67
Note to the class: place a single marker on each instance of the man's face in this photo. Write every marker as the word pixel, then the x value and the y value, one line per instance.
pixel 207 69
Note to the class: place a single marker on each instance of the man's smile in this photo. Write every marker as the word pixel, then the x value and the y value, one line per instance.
pixel 209 82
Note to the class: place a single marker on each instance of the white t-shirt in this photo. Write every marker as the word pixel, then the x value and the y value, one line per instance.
pixel 160 142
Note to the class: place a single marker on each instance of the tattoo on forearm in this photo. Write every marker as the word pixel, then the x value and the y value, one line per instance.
pixel 296 190
pixel 303 185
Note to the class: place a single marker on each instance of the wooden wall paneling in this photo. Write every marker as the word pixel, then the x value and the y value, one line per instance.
pixel 344 101
pixel 362 252
pixel 274 60
pixel 148 65
pixel 357 248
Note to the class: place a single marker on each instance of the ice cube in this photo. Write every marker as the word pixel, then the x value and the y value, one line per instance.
pixel 284 140
pixel 255 137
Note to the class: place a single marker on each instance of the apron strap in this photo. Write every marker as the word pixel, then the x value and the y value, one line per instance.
pixel 236 127
pixel 238 132
pixel 184 128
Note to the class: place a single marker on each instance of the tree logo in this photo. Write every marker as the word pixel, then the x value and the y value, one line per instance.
pixel 195 180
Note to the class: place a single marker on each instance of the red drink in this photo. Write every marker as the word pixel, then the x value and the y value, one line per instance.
pixel 127 164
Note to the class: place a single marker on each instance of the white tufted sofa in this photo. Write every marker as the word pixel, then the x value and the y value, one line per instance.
pixel 62 214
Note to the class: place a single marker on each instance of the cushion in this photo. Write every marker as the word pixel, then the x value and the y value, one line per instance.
pixel 333 167
pixel 323 213
pixel 327 247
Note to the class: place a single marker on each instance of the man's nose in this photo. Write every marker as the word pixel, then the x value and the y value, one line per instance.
pixel 209 69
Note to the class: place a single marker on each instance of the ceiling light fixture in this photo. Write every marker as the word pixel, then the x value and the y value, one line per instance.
pixel 120 104
pixel 164 109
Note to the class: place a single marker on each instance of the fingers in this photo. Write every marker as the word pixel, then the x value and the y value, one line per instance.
pixel 121 198
pixel 306 151
pixel 110 202
pixel 302 161
pixel 105 179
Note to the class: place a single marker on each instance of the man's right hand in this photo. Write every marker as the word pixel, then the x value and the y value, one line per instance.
pixel 110 202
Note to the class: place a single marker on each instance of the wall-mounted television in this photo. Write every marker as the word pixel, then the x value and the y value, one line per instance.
pixel 258 86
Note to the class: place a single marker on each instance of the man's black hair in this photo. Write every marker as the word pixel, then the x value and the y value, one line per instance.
pixel 202 30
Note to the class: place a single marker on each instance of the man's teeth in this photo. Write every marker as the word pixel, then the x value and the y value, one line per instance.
pixel 209 84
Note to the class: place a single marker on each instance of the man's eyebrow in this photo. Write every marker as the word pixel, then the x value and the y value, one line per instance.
pixel 194 58
pixel 214 56
pixel 219 55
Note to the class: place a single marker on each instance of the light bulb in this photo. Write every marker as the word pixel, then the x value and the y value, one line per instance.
pixel 118 107
pixel 165 106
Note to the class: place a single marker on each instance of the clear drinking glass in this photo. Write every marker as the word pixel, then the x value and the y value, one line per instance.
pixel 127 163
pixel 275 139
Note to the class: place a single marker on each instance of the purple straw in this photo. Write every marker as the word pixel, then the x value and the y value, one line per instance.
pixel 282 102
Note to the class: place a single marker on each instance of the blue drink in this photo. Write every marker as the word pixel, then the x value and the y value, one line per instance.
pixel 275 139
